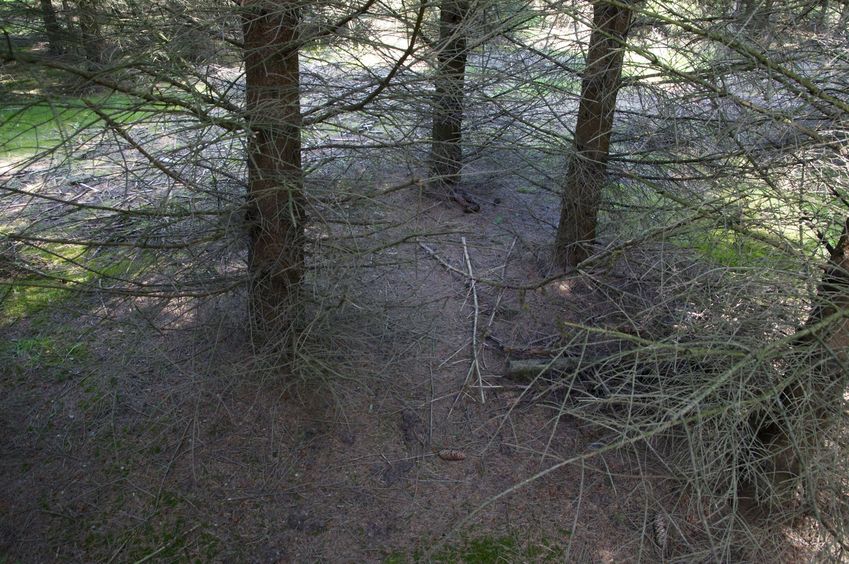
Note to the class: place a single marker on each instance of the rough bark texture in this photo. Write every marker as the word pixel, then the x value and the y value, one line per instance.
pixel 588 164
pixel 275 206
pixel 447 151
pixel 55 37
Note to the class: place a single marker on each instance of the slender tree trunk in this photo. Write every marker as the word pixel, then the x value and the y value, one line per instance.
pixel 91 34
pixel 822 18
pixel 275 200
pixel 843 23
pixel 55 37
pixel 587 172
pixel 754 15
pixel 68 18
pixel 446 158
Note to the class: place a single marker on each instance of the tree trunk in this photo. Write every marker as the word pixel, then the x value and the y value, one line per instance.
pixel 275 201
pixel 755 14
pixel 447 151
pixel 843 23
pixel 68 18
pixel 91 34
pixel 55 37
pixel 822 18
pixel 588 164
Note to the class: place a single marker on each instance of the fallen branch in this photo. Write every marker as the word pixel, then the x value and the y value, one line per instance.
pixel 462 197
pixel 443 262
pixel 475 367
pixel 531 368
pixel 501 290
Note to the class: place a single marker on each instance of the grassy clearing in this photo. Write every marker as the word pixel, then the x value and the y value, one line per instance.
pixel 26 296
pixel 753 218
pixel 51 355
pixel 726 247
pixel 50 347
pixel 22 301
pixel 743 226
pixel 67 268
pixel 26 129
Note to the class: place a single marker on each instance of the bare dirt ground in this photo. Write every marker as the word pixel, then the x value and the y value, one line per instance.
pixel 161 438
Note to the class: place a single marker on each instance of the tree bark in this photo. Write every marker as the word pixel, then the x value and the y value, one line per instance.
pixel 588 164
pixel 755 14
pixel 55 37
pixel 822 18
pixel 843 23
pixel 446 158
pixel 91 35
pixel 275 200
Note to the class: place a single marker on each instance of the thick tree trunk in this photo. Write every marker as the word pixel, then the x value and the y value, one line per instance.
pixel 275 213
pixel 447 151
pixel 588 164
pixel 55 37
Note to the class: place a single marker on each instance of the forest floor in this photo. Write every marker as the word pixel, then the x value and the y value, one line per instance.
pixel 137 429
pixel 133 430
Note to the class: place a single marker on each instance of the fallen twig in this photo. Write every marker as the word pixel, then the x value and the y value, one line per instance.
pixel 501 290
pixel 442 261
pixel 529 369
pixel 475 366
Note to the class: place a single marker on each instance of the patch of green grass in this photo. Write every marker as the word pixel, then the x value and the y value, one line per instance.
pixel 485 550
pixel 118 267
pixel 395 558
pixel 33 294
pixel 743 224
pixel 21 301
pixel 488 549
pixel 729 248
pixel 169 540
pixel 28 128
pixel 53 354
pixel 69 267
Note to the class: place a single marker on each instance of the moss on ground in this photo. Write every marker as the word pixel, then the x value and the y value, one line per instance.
pixel 485 549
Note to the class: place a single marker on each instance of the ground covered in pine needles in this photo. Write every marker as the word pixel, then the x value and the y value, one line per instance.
pixel 145 429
